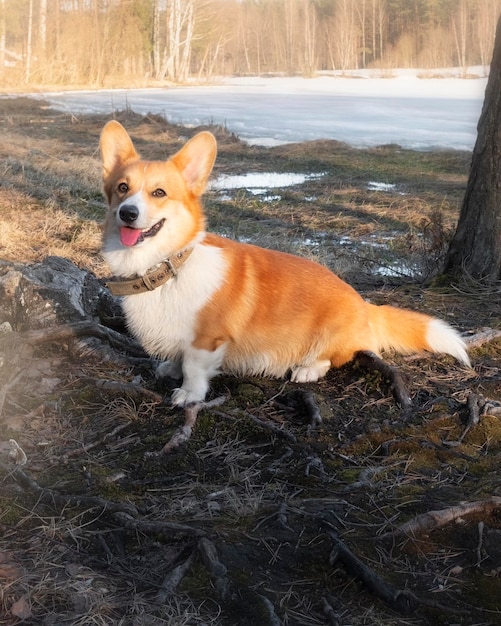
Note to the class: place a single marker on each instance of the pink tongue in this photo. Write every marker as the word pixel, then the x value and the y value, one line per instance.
pixel 129 236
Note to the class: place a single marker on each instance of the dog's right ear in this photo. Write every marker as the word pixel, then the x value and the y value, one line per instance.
pixel 116 146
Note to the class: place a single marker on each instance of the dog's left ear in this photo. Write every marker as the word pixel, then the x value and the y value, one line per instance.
pixel 195 161
pixel 116 146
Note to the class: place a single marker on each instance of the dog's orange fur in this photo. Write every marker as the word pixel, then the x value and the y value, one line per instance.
pixel 235 306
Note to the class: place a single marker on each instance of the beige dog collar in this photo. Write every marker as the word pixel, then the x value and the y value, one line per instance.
pixel 153 278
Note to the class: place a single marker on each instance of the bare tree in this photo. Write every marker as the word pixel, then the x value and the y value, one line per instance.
pixel 29 44
pixel 3 34
pixel 345 34
pixel 42 30
pixel 309 43
pixel 460 24
pixel 486 12
pixel 179 33
pixel 476 246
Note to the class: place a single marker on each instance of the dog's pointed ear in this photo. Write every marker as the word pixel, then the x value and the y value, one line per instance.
pixel 195 161
pixel 116 146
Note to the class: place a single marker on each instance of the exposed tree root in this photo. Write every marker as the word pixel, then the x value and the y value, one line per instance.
pixel 173 578
pixel 128 389
pixel 166 529
pixel 217 570
pixel 403 601
pixel 102 440
pixel 312 410
pixel 52 497
pixel 481 337
pixel 183 433
pixel 372 361
pixel 266 425
pixel 437 519
pixel 76 330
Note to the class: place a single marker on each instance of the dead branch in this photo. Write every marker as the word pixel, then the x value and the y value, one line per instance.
pixel 437 519
pixel 52 497
pixel 402 601
pixel 167 529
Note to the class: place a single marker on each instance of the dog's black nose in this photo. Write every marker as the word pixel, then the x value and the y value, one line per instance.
pixel 128 213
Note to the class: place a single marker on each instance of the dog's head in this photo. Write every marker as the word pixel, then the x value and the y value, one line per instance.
pixel 154 208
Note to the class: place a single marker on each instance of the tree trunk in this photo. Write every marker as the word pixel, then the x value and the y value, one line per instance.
pixel 476 246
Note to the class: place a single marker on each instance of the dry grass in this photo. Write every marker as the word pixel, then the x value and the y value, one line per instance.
pixel 266 498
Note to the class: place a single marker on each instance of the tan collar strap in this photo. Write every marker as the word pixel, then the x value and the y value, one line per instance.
pixel 153 278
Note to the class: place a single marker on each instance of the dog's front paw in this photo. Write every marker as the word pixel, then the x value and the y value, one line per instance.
pixel 183 397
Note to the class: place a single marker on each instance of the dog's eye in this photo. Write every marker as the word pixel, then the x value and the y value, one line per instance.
pixel 159 193
pixel 123 188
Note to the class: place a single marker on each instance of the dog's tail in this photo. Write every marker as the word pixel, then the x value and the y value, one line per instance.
pixel 408 331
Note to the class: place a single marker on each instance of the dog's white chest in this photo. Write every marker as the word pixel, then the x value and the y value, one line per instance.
pixel 164 320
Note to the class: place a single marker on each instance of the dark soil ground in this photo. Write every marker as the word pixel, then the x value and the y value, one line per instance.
pixel 266 515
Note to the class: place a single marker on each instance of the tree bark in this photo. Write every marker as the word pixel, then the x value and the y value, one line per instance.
pixel 476 246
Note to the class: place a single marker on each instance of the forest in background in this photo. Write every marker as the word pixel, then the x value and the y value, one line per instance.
pixel 105 43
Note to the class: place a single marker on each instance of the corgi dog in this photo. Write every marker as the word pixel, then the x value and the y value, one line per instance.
pixel 208 304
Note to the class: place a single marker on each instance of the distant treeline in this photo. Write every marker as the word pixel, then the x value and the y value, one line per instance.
pixel 106 42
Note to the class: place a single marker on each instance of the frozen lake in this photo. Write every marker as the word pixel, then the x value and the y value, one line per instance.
pixel 416 113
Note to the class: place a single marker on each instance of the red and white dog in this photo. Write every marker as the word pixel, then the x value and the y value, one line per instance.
pixel 226 305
